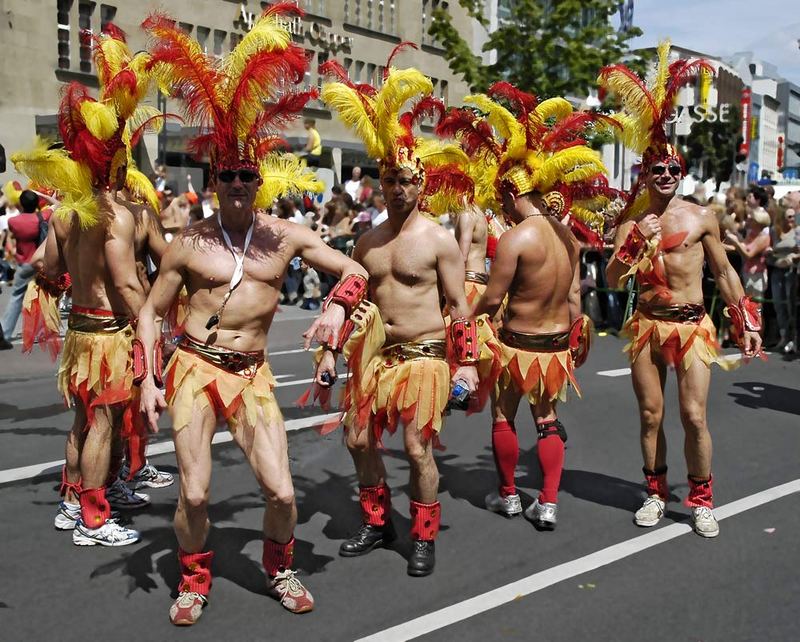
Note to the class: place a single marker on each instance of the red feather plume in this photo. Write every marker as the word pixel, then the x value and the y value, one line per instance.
pixel 606 71
pixel 284 8
pixel 474 134
pixel 395 51
pixel 449 178
pixel 427 107
pixel 521 102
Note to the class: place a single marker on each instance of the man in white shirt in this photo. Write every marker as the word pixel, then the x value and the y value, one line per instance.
pixel 378 211
pixel 353 186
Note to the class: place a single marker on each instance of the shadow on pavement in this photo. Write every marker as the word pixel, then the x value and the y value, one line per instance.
pixel 767 395
pixel 15 413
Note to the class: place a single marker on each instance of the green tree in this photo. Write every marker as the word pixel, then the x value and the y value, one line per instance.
pixel 547 47
pixel 711 146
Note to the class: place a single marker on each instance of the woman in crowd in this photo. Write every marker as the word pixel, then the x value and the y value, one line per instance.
pixel 753 250
pixel 783 257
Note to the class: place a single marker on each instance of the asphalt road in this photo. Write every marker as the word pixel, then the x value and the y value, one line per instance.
pixel 596 577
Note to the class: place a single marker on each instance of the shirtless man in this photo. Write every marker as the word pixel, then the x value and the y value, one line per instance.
pixel 472 233
pixel 671 327
pixel 219 371
pixel 536 264
pixel 106 297
pixel 411 261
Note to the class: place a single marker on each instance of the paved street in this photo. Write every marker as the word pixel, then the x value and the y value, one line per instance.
pixel 597 577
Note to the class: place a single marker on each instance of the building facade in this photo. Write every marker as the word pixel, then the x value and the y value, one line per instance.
pixel 789 128
pixel 42 50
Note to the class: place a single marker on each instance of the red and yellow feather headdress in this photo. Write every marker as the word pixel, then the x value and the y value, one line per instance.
pixel 242 101
pixel 645 109
pixel 376 116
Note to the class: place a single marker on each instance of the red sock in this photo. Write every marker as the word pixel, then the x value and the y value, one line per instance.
pixel 701 492
pixel 195 572
pixel 95 509
pixel 505 447
pixel 657 482
pixel 376 504
pixel 425 519
pixel 277 557
pixel 550 450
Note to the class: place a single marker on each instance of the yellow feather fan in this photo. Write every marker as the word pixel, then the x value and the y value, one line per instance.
pixel 284 174
pixel 347 103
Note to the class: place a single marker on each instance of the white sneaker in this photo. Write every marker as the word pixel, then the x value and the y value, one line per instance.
pixel 651 512
pixel 705 524
pixel 67 516
pixel 109 534
pixel 149 476
pixel 508 506
pixel 544 516
pixel 123 498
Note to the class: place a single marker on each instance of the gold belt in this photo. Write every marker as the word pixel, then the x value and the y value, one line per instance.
pixel 545 342
pixel 240 363
pixel 678 312
pixel 402 352
pixel 477 277
pixel 96 324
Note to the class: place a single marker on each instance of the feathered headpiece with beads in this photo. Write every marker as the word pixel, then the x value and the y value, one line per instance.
pixel 646 107
pixel 376 116
pixel 242 101
pixel 97 134
pixel 531 146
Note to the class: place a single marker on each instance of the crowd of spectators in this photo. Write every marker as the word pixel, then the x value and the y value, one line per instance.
pixel 759 232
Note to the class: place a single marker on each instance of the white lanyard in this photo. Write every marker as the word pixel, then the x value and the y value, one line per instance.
pixel 238 272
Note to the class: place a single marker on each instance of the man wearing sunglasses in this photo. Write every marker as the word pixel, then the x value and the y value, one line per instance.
pixel 232 266
pixel 664 248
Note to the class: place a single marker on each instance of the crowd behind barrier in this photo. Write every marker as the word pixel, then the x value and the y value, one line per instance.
pixel 759 233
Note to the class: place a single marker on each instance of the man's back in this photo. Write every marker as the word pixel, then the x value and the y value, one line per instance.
pixel 547 257
pixel 25 228
pixel 472 224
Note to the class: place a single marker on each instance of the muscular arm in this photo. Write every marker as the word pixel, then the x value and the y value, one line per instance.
pixel 616 268
pixel 465 227
pixel 450 269
pixel 501 276
pixel 156 242
pixel 53 260
pixel 574 298
pixel 322 257
pixel 121 261
pixel 728 282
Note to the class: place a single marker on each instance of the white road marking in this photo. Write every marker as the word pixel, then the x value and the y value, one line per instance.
pixel 275 354
pixel 28 472
pixel 536 582
pixel 619 372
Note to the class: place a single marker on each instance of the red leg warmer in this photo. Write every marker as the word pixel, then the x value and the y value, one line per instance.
pixel 277 557
pixel 67 486
pixel 95 509
pixel 425 519
pixel 376 504
pixel 701 492
pixel 657 482
pixel 505 447
pixel 195 572
pixel 550 450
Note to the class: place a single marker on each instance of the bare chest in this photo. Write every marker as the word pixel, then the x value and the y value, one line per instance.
pixel 404 262
pixel 215 269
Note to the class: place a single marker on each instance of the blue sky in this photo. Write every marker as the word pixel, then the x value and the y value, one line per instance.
pixel 769 28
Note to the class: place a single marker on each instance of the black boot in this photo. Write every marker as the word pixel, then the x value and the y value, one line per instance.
pixel 5 344
pixel 423 558
pixel 366 538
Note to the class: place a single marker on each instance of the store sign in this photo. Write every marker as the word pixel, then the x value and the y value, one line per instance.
pixel 701 114
pixel 317 34
pixel 744 148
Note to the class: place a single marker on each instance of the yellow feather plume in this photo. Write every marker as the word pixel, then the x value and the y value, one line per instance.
pixel 116 54
pixel 637 107
pixel 269 33
pixel 434 153
pixel 705 86
pixel 504 122
pixel 570 165
pixel 442 202
pixel 557 108
pixel 592 218
pixel 347 103
pixel 141 188
pixel 659 87
pixel 55 170
pixel 100 119
pixel 143 114
pixel 284 174
pixel 399 87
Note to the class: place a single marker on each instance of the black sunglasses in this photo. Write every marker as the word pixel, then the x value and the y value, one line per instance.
pixel 245 175
pixel 658 170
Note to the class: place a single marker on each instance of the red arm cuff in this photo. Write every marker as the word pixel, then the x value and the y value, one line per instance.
pixel 140 363
pixel 464 339
pixel 344 335
pixel 745 317
pixel 55 288
pixel 580 339
pixel 632 249
pixel 348 292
